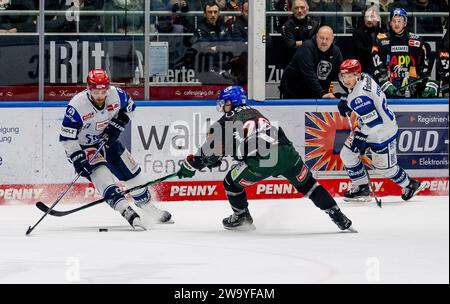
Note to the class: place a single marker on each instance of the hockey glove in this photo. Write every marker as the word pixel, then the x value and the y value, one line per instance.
pixel 217 163
pixel 81 163
pixel 187 170
pixel 113 130
pixel 343 108
pixel 389 89
pixel 431 89
pixel 359 142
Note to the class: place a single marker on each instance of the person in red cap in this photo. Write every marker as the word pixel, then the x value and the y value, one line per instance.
pixel 100 113
pixel 377 130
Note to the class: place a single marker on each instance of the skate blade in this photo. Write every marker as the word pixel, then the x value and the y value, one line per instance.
pixel 351 230
pixel 245 227
pixel 362 199
pixel 137 225
pixel 421 188
pixel 171 221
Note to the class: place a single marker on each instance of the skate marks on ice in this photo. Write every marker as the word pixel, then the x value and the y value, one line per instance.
pixel 393 201
pixel 293 241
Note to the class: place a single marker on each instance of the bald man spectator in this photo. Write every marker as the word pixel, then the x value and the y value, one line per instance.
pixel 299 27
pixel 314 65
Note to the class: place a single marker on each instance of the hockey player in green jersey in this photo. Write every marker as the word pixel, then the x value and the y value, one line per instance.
pixel 262 150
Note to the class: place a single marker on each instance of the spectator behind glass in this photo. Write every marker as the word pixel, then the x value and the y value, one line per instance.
pixel 315 64
pixel 239 28
pixel 428 25
pixel 387 6
pixel 212 27
pixel 443 63
pixel 91 23
pixel 180 58
pixel 17 23
pixel 298 28
pixel 228 5
pixel 364 38
pixel 129 22
pixel 342 24
pixel 60 23
pixel 280 6
pixel 183 6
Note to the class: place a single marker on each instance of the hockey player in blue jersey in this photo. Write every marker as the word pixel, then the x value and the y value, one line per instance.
pixel 377 129
pixel 100 113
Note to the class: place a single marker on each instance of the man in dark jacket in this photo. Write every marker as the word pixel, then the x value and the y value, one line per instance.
pixel 443 63
pixel 17 23
pixel 239 28
pixel 298 28
pixel 212 27
pixel 313 67
pixel 364 38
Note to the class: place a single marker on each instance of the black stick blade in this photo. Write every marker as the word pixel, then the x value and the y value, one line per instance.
pixel 29 231
pixel 44 208
pixel 41 206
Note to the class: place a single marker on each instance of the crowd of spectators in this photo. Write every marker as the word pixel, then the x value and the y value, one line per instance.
pixel 133 18
pixel 296 28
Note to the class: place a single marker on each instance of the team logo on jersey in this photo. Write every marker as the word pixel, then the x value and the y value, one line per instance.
pixel 70 113
pixel 414 43
pixel 130 106
pixel 303 174
pixel 245 183
pixel 385 42
pixel 399 48
pixel 87 116
pixel 112 107
pixel 68 132
pixel 381 36
pixel 238 170
pixel 101 125
pixel 368 118
pixel 324 69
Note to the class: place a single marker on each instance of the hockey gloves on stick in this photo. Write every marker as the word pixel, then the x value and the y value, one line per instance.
pixel 431 89
pixel 113 130
pixel 187 170
pixel 389 89
pixel 343 108
pixel 359 142
pixel 81 163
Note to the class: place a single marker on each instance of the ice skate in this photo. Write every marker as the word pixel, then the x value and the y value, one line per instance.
pixel 340 219
pixel 412 189
pixel 157 215
pixel 133 218
pixel 358 193
pixel 242 221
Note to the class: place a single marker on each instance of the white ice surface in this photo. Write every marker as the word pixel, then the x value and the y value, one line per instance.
pixel 294 243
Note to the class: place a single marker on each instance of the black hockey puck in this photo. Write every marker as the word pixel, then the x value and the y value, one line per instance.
pixel 103 230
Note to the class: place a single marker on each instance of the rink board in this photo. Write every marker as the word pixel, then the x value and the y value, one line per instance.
pixel 33 164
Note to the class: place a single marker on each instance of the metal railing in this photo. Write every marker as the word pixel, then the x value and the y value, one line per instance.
pixel 270 14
